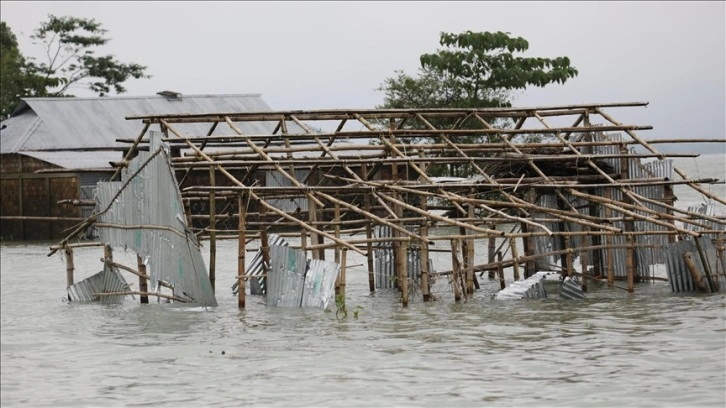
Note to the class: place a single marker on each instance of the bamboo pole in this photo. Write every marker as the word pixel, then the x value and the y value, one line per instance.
pixel 630 262
pixel 652 150
pixel 455 267
pixel 212 233
pixel 424 247
pixel 266 157
pixel 369 236
pixel 340 293
pixel 241 250
pixel 568 257
pixel 69 268
pixel 500 270
pixel 515 258
pixel 337 249
pixel 143 281
pixel 468 255
pixel 610 256
pixel 701 284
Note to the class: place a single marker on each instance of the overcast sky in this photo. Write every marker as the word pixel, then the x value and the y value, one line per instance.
pixel 316 55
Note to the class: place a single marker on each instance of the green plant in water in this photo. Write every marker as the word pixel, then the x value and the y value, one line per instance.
pixel 341 312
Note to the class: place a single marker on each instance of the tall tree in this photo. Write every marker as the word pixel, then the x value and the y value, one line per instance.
pixel 473 70
pixel 70 48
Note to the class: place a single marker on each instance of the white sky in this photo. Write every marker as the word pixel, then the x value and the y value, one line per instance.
pixel 316 55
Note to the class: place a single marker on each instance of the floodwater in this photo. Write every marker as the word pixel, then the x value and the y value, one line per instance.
pixel 650 348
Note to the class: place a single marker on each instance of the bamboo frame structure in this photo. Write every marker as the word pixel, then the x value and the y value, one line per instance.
pixel 378 168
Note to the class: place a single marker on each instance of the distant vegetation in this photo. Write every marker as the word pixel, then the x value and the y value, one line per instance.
pixel 69 45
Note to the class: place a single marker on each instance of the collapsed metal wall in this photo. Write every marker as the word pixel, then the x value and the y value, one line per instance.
pixel 144 212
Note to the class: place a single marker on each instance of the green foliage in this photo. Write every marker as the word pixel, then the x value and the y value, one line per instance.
pixel 69 44
pixel 473 70
pixel 15 79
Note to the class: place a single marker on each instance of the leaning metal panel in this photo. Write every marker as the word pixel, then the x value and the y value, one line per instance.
pixel 319 283
pixel 144 212
pixel 257 267
pixel 109 280
pixel 286 277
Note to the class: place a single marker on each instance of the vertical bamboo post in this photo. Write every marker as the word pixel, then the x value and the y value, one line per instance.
pixel 515 257
pixel 404 274
pixel 568 257
pixel 304 241
pixel 340 294
pixel 455 268
pixel 69 267
pixel 264 243
pixel 500 270
pixel 143 281
pixel 241 250
pixel 470 278
pixel 629 264
pixel 670 200
pixel 719 255
pixel 630 260
pixel 609 254
pixel 213 227
pixel 491 252
pixel 369 233
pixel 338 279
pixel 596 241
pixel 423 232
pixel 529 244
pixel 312 218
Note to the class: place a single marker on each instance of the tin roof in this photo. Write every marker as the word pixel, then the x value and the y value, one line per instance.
pixel 68 124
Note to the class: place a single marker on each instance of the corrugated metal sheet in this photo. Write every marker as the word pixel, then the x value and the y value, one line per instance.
pixel 257 267
pixel 75 123
pixel 150 208
pixel 319 284
pixel 680 278
pixel 571 288
pixel 383 265
pixel 109 280
pixel 530 288
pixel 286 278
pixel 705 209
pixel 294 281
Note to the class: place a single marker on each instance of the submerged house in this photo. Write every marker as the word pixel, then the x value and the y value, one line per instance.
pixel 57 149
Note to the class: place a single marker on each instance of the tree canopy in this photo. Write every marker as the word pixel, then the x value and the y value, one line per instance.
pixel 70 48
pixel 475 69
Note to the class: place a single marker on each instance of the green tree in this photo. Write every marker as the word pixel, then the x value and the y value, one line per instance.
pixel 70 48
pixel 15 79
pixel 473 70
